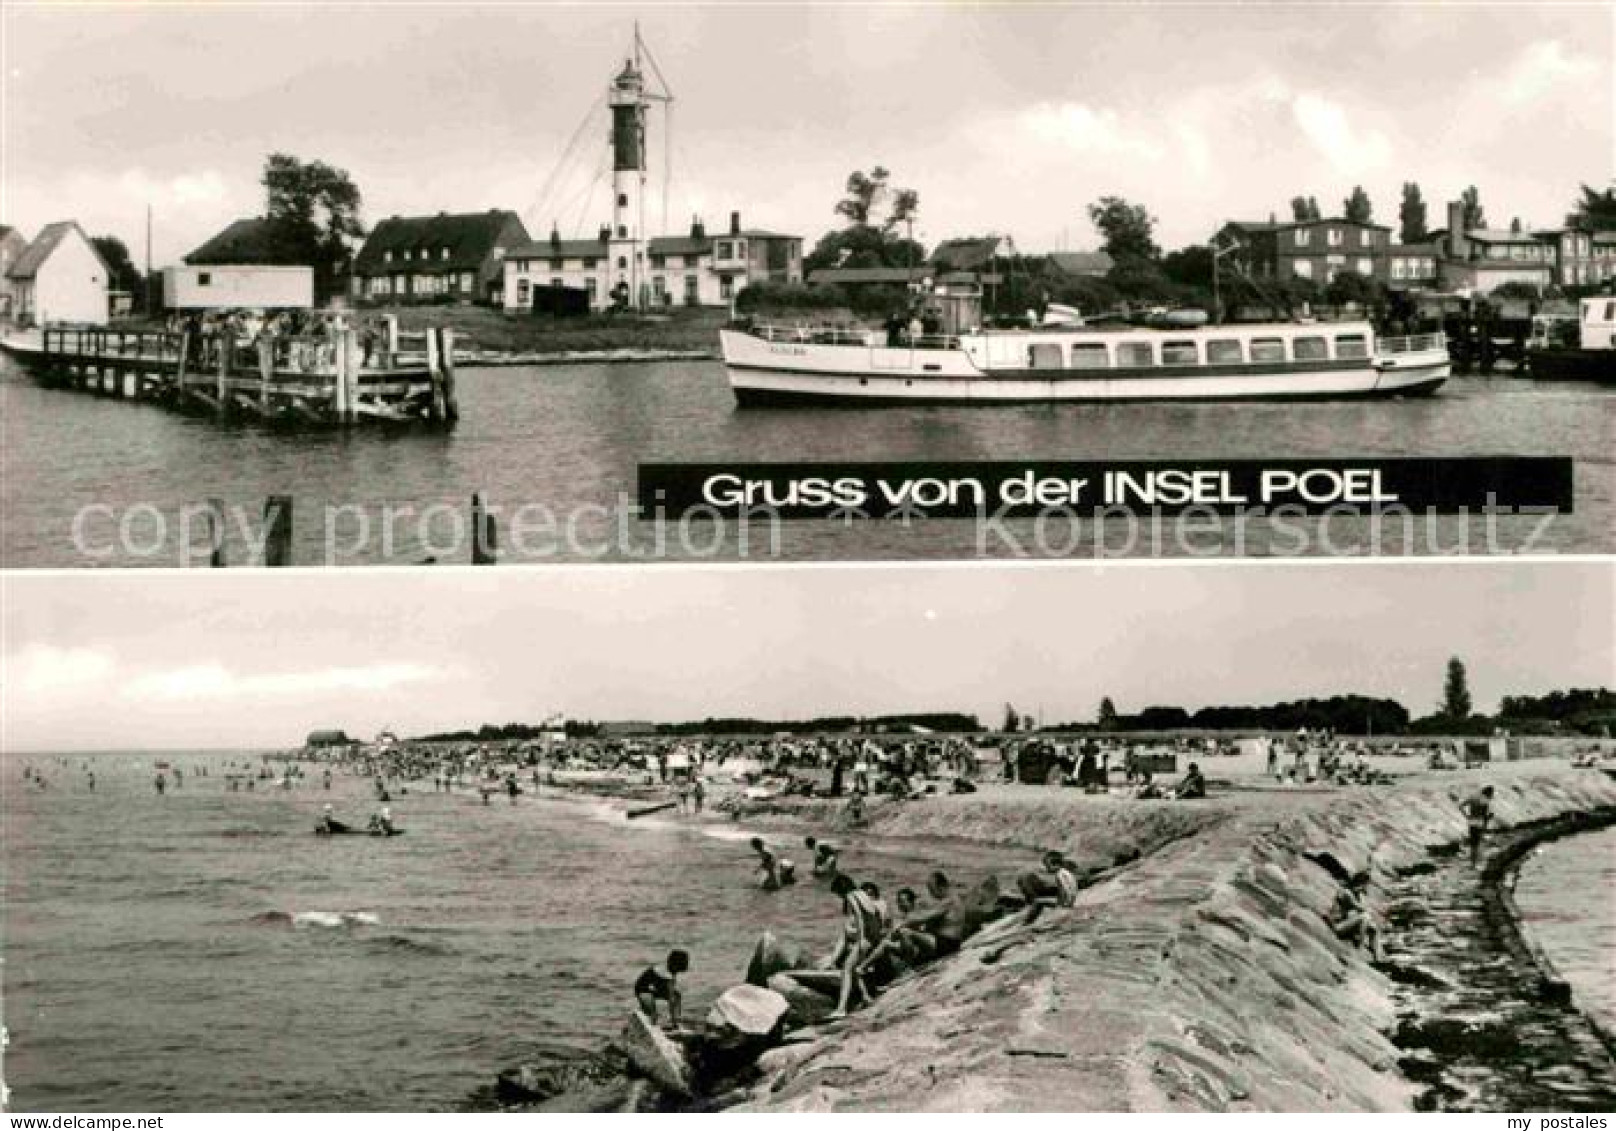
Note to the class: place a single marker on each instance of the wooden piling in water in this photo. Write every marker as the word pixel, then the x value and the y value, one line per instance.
pixel 484 534
pixel 278 530
pixel 451 408
pixel 341 407
pixel 221 393
pixel 434 374
pixel 216 533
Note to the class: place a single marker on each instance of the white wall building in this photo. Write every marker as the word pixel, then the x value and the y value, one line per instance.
pixel 238 287
pixel 60 277
pixel 690 270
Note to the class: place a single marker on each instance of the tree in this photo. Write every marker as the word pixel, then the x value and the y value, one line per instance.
pixel 871 202
pixel 1351 287
pixel 1456 691
pixel 1012 721
pixel 1304 208
pixel 1128 229
pixel 1107 719
pixel 1190 266
pixel 1596 210
pixel 313 215
pixel 1356 207
pixel 1474 217
pixel 125 276
pixel 874 210
pixel 1411 215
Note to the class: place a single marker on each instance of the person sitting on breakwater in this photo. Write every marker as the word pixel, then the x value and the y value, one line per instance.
pixel 945 921
pixel 654 985
pixel 1478 812
pixel 1193 786
pixel 774 873
pixel 326 822
pixel 861 932
pixel 1057 888
pixel 825 856
pixel 906 943
pixel 1351 920
pixel 382 823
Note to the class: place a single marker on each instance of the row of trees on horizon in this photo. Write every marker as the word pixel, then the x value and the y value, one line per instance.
pixel 1589 712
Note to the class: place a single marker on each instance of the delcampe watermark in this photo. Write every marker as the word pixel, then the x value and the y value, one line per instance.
pixel 535 532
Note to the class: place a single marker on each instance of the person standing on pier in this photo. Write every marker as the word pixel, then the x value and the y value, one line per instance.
pixel 1478 812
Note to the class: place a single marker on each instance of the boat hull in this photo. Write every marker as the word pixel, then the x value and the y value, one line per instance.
pixel 767 373
pixel 1572 364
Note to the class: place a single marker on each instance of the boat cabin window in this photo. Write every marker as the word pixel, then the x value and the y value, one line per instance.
pixel 1267 349
pixel 1222 351
pixel 1180 353
pixel 1044 355
pixel 1135 354
pixel 1351 345
pixel 1089 355
pixel 1310 349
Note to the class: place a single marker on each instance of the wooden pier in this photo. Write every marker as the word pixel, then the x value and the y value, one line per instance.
pixel 323 380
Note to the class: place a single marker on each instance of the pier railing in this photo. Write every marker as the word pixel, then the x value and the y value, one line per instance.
pixel 843 336
pixel 1413 343
pixel 331 374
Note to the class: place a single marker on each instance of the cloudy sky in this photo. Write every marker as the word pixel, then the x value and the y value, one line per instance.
pixel 239 658
pixel 1005 119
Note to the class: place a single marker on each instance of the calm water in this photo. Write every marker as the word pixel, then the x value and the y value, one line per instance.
pixel 1567 896
pixel 150 963
pixel 569 439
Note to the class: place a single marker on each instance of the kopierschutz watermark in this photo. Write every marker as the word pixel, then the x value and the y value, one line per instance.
pixel 622 531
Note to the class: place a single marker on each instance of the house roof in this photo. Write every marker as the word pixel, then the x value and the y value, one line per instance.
pixel 470 238
pixel 1281 225
pixel 246 241
pixel 683 245
pixel 967 254
pixel 1428 247
pixel 33 256
pixel 1081 262
pixel 765 234
pixel 1499 235
pixel 558 249
pixel 871 274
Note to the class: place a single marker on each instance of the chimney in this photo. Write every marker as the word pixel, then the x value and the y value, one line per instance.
pixel 1458 245
pixel 605 233
pixel 698 230
pixel 555 237
pixel 734 223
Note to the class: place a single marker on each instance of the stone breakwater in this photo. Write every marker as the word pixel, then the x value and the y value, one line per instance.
pixel 1203 976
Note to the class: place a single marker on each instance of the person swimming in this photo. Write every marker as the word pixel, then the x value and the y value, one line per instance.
pixel 774 872
pixel 826 858
pixel 654 985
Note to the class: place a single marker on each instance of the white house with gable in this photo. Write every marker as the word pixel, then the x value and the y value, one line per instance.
pixel 60 277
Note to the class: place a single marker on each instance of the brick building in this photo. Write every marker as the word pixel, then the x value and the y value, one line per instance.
pixel 1309 249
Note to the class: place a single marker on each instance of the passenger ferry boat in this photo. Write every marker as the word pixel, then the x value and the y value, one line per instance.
pixel 775 364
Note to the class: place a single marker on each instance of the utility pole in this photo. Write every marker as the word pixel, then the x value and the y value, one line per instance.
pixel 146 283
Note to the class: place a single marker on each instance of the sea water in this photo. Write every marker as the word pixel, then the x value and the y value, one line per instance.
pixel 565 441
pixel 1567 897
pixel 202 950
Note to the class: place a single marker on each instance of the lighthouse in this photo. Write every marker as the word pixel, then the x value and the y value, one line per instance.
pixel 628 104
